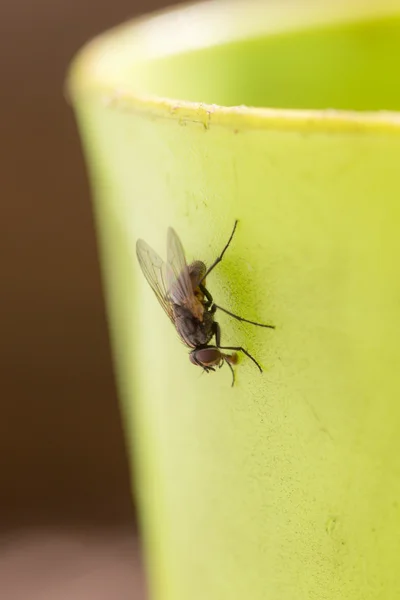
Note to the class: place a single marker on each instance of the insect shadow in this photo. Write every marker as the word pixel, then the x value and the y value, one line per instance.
pixel 181 290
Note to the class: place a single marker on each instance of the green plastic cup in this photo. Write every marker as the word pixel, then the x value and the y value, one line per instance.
pixel 282 115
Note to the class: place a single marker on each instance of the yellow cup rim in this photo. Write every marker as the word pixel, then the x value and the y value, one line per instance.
pixel 99 67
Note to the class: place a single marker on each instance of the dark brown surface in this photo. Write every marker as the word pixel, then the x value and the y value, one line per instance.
pixel 62 460
pixel 71 565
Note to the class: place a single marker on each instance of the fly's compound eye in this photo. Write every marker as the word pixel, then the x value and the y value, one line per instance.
pixel 206 357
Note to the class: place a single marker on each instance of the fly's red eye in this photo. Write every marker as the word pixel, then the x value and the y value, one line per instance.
pixel 207 357
pixel 192 358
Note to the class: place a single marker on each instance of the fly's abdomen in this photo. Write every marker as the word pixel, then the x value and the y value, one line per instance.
pixel 192 331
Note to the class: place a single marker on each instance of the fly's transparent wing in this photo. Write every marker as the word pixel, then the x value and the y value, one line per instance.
pixel 155 271
pixel 180 286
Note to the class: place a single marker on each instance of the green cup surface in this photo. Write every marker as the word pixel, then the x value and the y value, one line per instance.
pixel 288 485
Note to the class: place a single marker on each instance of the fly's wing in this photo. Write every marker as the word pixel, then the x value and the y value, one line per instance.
pixel 180 287
pixel 155 271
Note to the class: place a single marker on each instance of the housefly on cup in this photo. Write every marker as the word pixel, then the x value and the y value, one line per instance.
pixel 181 290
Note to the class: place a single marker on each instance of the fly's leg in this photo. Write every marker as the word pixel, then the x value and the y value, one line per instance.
pixel 207 294
pixel 217 333
pixel 228 312
pixel 241 349
pixel 232 371
pixel 218 260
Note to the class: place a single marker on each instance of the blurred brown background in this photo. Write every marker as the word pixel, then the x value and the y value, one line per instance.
pixel 62 463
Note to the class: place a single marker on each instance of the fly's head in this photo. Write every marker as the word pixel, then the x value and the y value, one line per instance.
pixel 211 357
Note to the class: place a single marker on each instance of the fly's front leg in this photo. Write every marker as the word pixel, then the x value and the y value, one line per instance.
pixel 241 349
pixel 232 371
pixel 217 332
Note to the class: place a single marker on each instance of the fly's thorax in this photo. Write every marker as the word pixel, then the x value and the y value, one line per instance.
pixel 182 294
pixel 196 307
pixel 197 270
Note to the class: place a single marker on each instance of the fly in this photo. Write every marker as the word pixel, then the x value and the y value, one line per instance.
pixel 181 290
